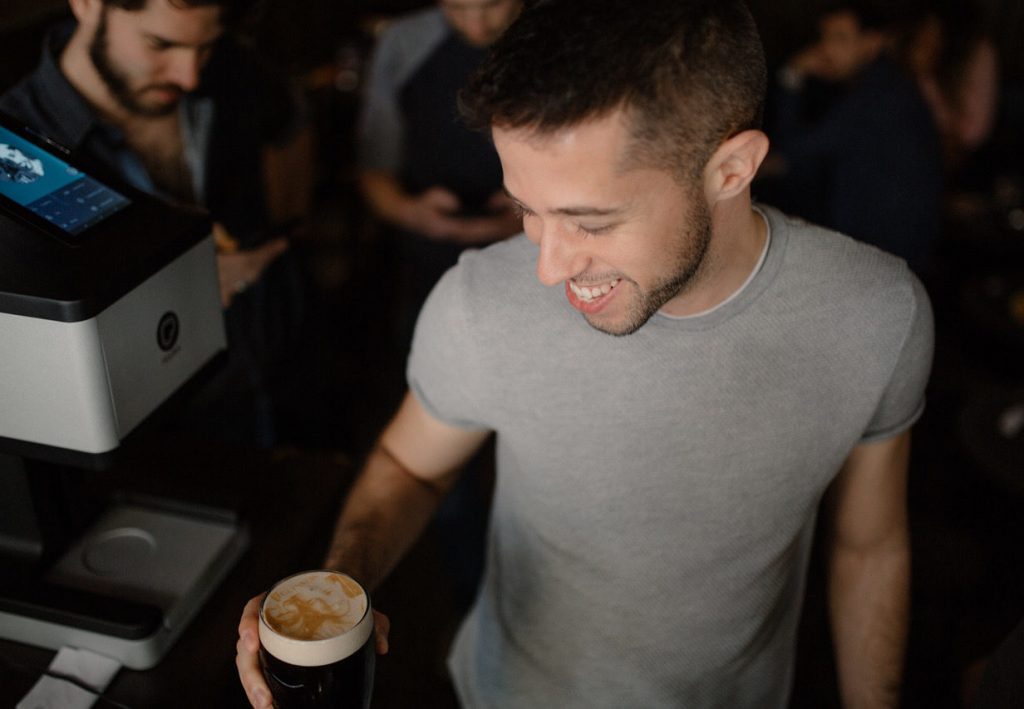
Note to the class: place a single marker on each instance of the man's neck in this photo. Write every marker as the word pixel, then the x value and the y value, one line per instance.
pixel 78 68
pixel 738 240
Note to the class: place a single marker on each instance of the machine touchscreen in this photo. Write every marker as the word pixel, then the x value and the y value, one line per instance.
pixel 35 180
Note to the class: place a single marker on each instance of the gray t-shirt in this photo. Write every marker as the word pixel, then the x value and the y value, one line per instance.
pixel 657 493
pixel 402 48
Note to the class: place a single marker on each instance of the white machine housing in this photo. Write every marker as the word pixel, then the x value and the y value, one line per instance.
pixel 85 385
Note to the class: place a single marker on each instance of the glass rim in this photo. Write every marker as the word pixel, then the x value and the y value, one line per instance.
pixel 320 651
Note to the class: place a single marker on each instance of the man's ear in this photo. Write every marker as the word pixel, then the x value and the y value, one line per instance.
pixel 734 165
pixel 87 12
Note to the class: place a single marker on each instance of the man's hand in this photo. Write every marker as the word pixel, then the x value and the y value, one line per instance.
pixel 433 213
pixel 247 656
pixel 501 222
pixel 239 269
pixel 248 646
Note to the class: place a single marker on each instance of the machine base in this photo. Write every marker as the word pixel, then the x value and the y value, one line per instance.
pixel 152 568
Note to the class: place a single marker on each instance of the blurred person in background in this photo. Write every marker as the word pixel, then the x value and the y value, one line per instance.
pixel 435 182
pixel 158 93
pixel 437 186
pixel 956 66
pixel 869 164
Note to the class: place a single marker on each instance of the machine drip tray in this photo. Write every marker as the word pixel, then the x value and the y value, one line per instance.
pixel 165 558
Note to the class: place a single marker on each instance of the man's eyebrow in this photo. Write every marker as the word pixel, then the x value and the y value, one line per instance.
pixel 170 43
pixel 572 211
pixel 585 211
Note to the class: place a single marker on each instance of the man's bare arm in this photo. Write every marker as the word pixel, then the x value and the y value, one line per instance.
pixel 869 574
pixel 432 213
pixel 413 465
pixel 435 212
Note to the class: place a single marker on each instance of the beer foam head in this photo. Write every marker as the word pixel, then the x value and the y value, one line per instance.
pixel 315 618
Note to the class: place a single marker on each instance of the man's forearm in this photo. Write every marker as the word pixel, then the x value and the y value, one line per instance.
pixel 869 600
pixel 386 198
pixel 383 515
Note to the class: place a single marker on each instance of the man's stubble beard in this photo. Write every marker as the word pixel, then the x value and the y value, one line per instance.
pixel 116 80
pixel 695 237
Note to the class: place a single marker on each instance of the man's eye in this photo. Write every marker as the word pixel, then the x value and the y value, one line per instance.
pixel 594 229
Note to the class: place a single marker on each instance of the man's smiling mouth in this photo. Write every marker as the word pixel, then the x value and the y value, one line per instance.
pixel 590 293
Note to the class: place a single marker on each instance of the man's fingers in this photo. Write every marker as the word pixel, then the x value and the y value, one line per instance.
pixel 442 199
pixel 252 680
pixel 251 617
pixel 500 202
pixel 247 659
pixel 251 676
pixel 277 246
pixel 271 250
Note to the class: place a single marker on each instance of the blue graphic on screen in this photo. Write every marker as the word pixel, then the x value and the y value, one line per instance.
pixel 48 186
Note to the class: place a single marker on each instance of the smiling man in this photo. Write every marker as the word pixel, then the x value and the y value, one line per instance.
pixel 574 191
pixel 657 489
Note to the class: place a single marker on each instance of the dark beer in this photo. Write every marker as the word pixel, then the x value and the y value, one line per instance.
pixel 316 641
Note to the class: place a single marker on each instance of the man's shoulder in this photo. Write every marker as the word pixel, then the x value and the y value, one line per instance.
pixel 45 101
pixel 419 23
pixel 22 98
pixel 824 264
pixel 27 103
pixel 888 94
pixel 506 262
pixel 411 37
pixel 491 279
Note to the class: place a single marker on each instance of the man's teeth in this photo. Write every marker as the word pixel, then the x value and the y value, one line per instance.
pixel 592 292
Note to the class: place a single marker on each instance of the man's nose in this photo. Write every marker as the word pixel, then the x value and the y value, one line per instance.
pixel 184 68
pixel 558 259
pixel 476 28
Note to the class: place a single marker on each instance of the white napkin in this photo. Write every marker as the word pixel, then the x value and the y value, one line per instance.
pixel 90 669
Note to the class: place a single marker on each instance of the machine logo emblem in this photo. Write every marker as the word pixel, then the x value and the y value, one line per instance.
pixel 167 331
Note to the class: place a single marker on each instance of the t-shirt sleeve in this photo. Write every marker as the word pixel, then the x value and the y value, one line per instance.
pixel 379 137
pixel 400 52
pixel 902 402
pixel 444 372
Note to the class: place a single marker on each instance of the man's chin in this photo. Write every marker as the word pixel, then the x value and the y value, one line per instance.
pixel 162 109
pixel 152 109
pixel 615 327
pixel 158 102
pixel 151 102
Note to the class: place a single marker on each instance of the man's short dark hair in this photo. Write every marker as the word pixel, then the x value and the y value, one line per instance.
pixel 688 73
pixel 232 12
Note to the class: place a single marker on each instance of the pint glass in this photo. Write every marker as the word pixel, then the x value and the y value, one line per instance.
pixel 316 642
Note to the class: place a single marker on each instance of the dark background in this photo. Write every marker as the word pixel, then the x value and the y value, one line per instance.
pixel 967 479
